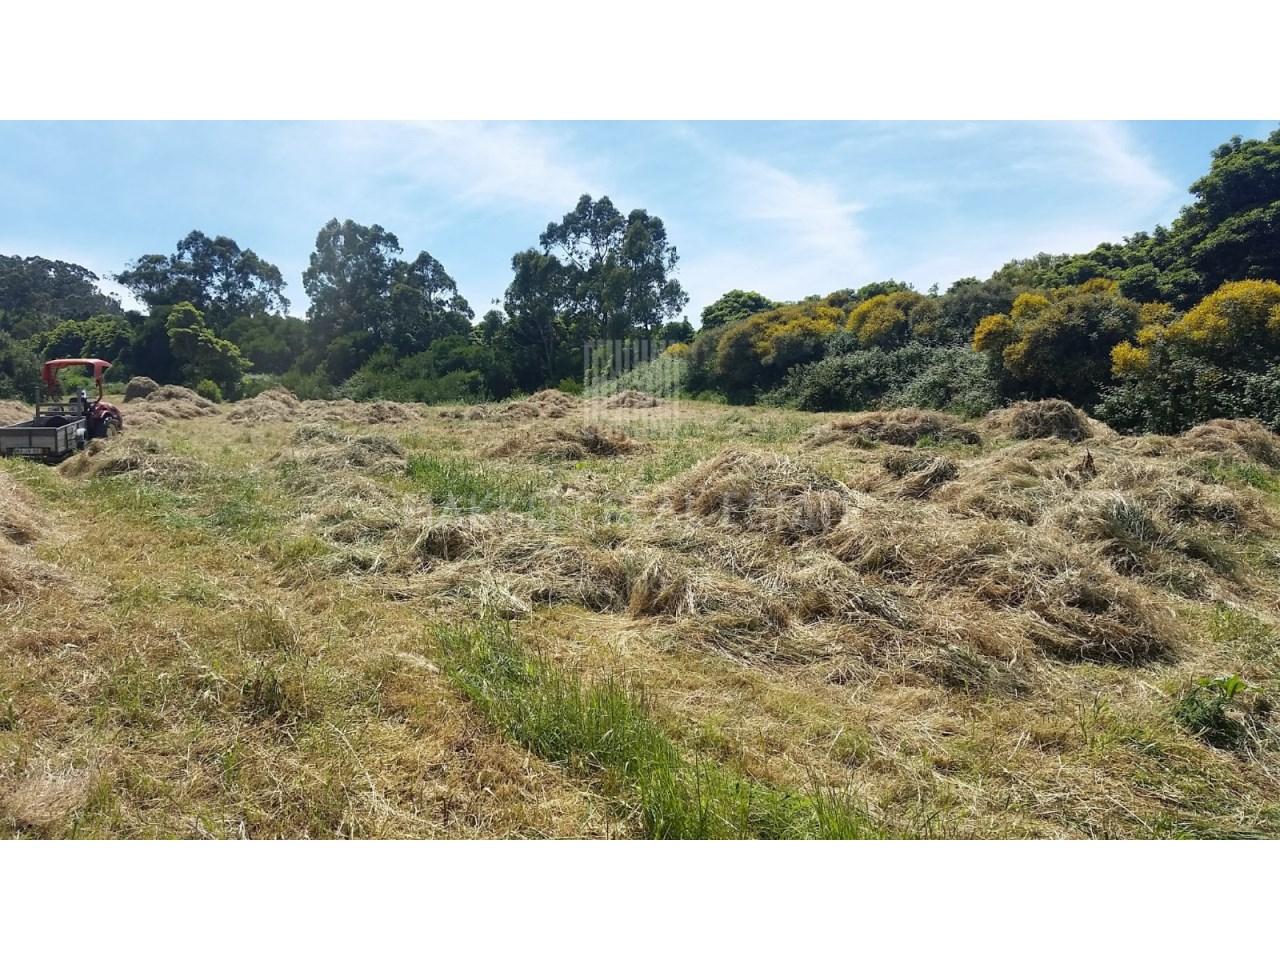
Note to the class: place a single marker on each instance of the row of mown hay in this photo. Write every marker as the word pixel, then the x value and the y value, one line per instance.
pixel 145 458
pixel 21 524
pixel 562 443
pixel 764 493
pixel 905 427
pixel 279 405
pixel 1045 420
pixel 319 453
pixel 168 403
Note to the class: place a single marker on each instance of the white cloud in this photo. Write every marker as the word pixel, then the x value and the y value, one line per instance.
pixel 478 163
pixel 1115 158
pixel 1101 153
pixel 784 235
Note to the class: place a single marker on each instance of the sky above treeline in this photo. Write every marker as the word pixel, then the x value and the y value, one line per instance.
pixel 788 208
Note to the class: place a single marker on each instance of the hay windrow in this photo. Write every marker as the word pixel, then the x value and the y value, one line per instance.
pixel 918 475
pixel 905 427
pixel 545 404
pixel 145 458
pixel 1043 420
pixel 1240 440
pixel 628 400
pixel 20 521
pixel 565 443
pixel 320 453
pixel 761 492
pixel 276 405
pixel 172 402
pixel 1074 605
pixel 140 387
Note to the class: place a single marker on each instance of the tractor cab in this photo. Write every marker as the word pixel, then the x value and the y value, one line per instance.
pixel 101 419
pixel 60 428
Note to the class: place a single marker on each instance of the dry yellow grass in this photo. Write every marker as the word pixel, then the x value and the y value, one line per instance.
pixel 980 636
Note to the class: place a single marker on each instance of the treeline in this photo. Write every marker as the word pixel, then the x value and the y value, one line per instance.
pixel 1157 332
pixel 379 324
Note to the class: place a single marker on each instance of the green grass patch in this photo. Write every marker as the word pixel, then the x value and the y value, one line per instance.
pixel 1242 474
pixel 470 487
pixel 605 729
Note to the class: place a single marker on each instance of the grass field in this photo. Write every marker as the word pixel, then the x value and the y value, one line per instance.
pixel 559 618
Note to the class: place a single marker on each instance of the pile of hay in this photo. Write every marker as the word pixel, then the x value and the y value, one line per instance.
pixel 765 493
pixel 13 412
pixel 1069 602
pixel 45 795
pixel 562 443
pixel 143 457
pixel 905 427
pixel 1043 420
pixel 629 400
pixel 276 405
pixel 1241 440
pixel 19 519
pixel 140 387
pixel 918 474
pixel 171 403
pixel 545 404
pixel 349 411
pixel 21 523
pixel 464 413
pixel 321 453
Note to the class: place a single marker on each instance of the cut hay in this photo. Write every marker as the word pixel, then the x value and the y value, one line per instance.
pixel 578 443
pixel 140 387
pixel 1042 420
pixel 918 474
pixel 143 457
pixel 1070 603
pixel 765 493
pixel 276 405
pixel 320 453
pixel 12 412
pixel 20 522
pixel 370 414
pixel 905 427
pixel 545 404
pixel 1240 440
pixel 45 795
pixel 1006 485
pixel 464 413
pixel 629 400
pixel 173 403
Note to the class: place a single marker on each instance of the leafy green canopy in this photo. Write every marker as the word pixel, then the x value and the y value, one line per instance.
pixel 365 299
pixel 214 275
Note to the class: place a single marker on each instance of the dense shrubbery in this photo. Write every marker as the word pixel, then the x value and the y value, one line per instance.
pixel 1219 359
pixel 917 375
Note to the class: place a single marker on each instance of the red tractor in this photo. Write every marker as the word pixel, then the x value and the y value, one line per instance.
pixel 59 429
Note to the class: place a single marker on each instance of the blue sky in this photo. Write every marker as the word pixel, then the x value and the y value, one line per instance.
pixel 785 208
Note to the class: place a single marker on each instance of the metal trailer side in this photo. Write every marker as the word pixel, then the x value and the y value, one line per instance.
pixel 38 440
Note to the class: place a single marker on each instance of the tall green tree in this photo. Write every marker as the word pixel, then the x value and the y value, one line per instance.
pixel 734 305
pixel 214 275
pixel 365 298
pixel 616 273
pixel 36 294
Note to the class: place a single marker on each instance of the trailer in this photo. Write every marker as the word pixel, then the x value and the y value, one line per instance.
pixel 59 429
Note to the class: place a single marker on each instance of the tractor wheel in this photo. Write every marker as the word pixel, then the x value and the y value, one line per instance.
pixel 110 429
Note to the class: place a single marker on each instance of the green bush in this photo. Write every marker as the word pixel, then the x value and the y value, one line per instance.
pixel 943 378
pixel 209 390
